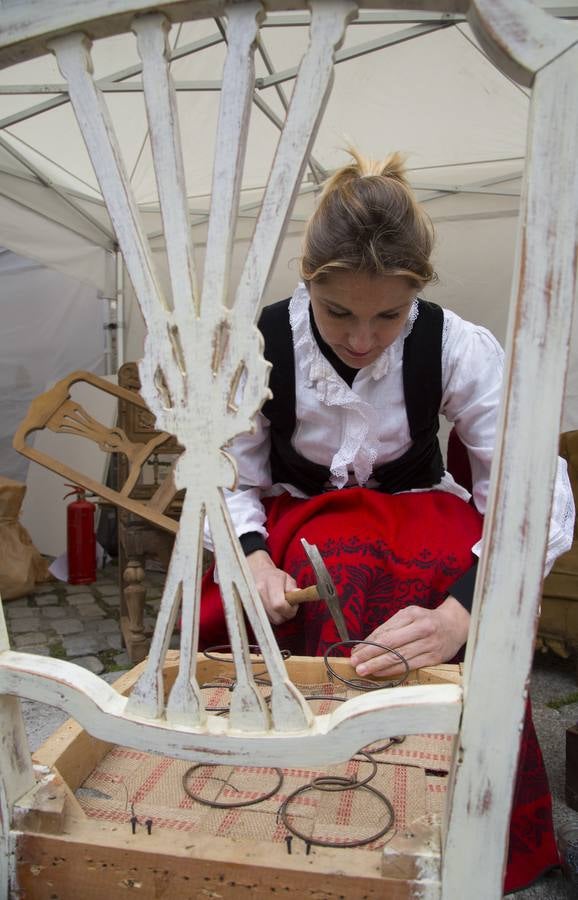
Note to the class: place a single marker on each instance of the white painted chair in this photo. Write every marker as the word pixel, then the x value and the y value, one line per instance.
pixel 204 345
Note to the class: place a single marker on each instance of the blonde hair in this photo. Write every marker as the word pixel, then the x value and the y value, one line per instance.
pixel 369 221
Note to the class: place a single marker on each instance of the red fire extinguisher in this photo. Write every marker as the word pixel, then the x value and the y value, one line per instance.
pixel 80 538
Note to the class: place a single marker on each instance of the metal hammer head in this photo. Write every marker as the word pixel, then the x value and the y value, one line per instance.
pixel 326 588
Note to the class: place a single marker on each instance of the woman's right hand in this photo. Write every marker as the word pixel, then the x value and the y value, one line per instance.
pixel 272 583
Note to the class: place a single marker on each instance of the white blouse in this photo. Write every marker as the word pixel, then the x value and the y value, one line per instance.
pixel 351 430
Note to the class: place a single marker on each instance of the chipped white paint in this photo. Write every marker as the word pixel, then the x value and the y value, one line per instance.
pixel 519 37
pixel 428 867
pixel 16 772
pixel 231 145
pixel 204 377
pixel 196 351
pixel 509 581
pixel 420 844
pixel 426 889
pixel 331 738
pixel 308 101
pixel 186 703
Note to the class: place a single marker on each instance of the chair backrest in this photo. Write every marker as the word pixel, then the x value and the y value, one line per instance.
pixel 204 377
pixel 57 411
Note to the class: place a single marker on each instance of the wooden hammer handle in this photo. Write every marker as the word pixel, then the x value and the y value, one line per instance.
pixel 301 596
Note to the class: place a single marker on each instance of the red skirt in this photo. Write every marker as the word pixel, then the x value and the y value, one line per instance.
pixel 384 552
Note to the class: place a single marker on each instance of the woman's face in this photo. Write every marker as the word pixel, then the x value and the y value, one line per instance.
pixel 359 315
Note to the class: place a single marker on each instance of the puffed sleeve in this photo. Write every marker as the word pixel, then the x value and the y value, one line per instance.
pixel 251 453
pixel 472 373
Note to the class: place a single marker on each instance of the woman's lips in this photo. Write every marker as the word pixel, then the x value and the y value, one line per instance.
pixel 358 355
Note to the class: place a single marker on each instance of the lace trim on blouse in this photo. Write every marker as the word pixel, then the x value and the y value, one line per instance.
pixel 358 451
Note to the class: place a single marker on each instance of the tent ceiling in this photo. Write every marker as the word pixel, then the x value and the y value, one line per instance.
pixel 407 81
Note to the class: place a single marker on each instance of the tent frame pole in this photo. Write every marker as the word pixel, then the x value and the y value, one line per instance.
pixel 120 329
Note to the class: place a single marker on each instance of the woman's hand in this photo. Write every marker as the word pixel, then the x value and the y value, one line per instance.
pixel 272 583
pixel 424 637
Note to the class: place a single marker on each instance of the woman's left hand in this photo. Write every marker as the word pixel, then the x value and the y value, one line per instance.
pixel 424 637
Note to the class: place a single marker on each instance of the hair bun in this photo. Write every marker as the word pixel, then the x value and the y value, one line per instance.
pixel 368 220
pixel 392 166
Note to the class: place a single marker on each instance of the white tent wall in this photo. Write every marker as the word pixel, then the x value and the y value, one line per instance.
pixel 57 271
pixel 48 243
pixel 52 324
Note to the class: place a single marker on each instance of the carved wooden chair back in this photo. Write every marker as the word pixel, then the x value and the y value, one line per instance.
pixel 58 411
pixel 204 377
pixel 145 491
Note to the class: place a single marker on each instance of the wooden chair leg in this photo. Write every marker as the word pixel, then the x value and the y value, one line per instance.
pixel 133 624
pixel 133 595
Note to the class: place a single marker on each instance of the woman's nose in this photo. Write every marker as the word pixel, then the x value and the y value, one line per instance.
pixel 361 338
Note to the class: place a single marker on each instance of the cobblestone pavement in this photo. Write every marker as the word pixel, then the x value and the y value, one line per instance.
pixel 78 622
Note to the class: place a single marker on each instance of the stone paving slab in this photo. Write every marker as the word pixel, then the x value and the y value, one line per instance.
pixel 114 641
pixel 108 590
pixel 55 612
pixel 106 626
pixel 91 611
pixel 47 587
pixel 80 599
pixel 31 639
pixel 92 663
pixel 68 626
pixel 20 612
pixel 46 599
pixel 122 661
pixel 76 588
pixel 22 626
pixel 80 645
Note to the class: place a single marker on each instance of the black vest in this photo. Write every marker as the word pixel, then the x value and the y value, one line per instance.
pixel 419 467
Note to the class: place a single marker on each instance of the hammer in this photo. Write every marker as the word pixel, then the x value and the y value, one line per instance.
pixel 323 590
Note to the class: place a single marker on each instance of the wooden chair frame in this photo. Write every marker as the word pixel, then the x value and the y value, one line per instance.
pixel 56 410
pixel 204 377
pixel 191 864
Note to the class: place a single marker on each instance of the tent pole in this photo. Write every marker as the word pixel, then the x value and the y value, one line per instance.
pixel 120 329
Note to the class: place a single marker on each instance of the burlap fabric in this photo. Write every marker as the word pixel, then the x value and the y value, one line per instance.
pixel 411 774
pixel 22 565
pixel 151 786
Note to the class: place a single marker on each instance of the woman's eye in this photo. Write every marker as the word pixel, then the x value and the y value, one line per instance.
pixel 389 316
pixel 336 313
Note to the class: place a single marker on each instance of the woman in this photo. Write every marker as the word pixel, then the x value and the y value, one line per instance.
pixel 346 454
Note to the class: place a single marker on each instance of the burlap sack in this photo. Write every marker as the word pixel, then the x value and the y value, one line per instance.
pixel 21 565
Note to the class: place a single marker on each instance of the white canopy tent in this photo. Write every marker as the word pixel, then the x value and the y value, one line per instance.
pixel 414 82
pixel 52 323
